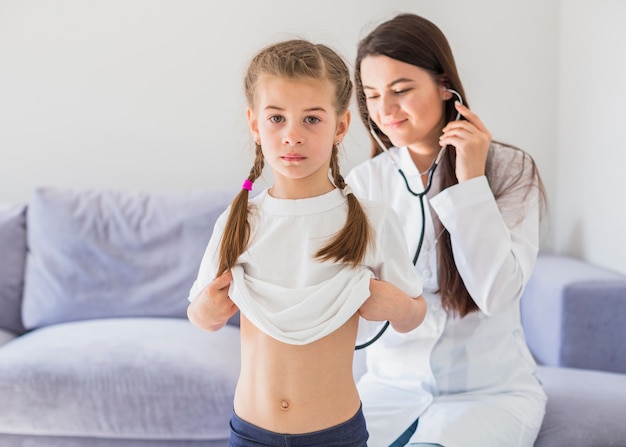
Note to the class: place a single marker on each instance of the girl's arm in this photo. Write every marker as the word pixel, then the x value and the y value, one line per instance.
pixel 396 296
pixel 212 307
pixel 388 302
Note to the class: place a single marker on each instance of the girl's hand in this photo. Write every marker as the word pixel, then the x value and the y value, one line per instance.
pixel 212 308
pixel 471 139
pixel 387 302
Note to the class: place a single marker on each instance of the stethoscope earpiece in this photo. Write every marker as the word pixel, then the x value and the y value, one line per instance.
pixel 455 93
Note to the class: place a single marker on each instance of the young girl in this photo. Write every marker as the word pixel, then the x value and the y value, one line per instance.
pixel 299 260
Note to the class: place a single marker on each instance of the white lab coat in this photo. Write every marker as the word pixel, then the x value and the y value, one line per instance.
pixel 471 381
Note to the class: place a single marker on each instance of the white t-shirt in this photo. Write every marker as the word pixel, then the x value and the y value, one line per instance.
pixel 280 286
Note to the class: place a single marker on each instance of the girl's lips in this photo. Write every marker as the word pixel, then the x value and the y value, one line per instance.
pixel 293 157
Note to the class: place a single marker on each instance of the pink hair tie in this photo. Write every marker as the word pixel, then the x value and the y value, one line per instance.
pixel 247 184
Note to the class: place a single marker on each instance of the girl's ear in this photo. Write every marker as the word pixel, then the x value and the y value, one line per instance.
pixel 343 125
pixel 253 123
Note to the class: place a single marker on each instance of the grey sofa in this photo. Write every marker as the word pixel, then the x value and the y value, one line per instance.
pixel 573 315
pixel 96 350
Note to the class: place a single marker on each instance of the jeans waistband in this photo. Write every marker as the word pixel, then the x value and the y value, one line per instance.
pixel 352 433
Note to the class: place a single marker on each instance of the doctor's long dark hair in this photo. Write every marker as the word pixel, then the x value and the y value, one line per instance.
pixel 414 40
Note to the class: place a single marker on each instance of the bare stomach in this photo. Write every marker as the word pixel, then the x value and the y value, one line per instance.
pixel 296 389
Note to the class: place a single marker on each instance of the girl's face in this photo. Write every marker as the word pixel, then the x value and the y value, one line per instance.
pixel 404 101
pixel 296 123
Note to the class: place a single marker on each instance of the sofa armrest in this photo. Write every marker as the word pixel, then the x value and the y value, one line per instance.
pixel 573 314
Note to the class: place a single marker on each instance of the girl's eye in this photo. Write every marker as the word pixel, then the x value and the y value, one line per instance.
pixel 312 120
pixel 370 97
pixel 275 119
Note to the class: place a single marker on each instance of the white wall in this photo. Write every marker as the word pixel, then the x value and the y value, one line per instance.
pixel 146 94
pixel 589 212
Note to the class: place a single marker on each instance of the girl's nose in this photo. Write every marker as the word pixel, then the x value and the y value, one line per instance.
pixel 292 136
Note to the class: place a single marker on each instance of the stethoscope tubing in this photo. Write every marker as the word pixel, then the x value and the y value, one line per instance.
pixel 419 195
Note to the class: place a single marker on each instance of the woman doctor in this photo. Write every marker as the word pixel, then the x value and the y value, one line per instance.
pixel 465 377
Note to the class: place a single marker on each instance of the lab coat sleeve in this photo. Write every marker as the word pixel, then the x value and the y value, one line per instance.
pixel 494 243
pixel 210 260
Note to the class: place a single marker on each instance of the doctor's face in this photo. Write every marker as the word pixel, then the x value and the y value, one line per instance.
pixel 404 101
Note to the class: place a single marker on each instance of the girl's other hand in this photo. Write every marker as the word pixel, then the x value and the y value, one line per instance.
pixel 213 307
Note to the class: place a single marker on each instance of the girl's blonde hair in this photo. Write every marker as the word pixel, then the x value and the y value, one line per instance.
pixel 299 59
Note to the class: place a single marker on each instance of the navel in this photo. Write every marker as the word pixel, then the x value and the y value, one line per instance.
pixel 284 405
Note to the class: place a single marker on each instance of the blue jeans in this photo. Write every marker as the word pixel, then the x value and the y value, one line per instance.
pixel 351 433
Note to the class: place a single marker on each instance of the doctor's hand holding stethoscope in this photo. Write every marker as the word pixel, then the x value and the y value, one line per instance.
pixel 471 140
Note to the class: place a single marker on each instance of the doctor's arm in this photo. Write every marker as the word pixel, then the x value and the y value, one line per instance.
pixel 494 242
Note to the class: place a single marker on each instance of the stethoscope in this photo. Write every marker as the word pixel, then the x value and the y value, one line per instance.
pixel 419 195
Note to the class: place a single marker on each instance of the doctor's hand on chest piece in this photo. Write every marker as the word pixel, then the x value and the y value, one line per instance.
pixel 471 138
pixel 389 303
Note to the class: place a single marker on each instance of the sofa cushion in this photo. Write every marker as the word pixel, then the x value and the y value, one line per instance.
pixel 573 314
pixel 106 253
pixel 12 259
pixel 585 408
pixel 5 337
pixel 133 378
